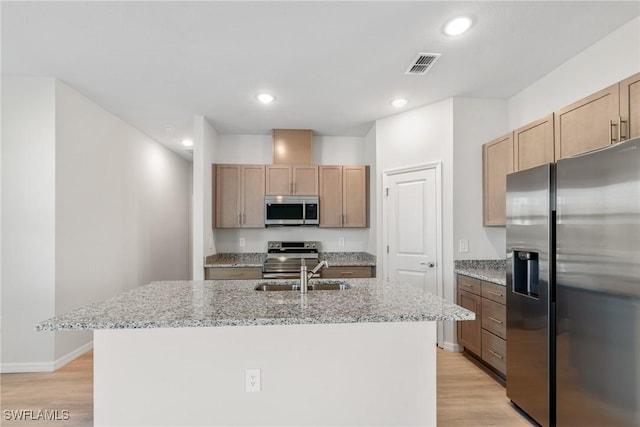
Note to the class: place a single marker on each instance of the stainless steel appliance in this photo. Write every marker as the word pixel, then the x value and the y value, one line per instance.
pixel 284 259
pixel 573 325
pixel 530 266
pixel 291 210
pixel 598 288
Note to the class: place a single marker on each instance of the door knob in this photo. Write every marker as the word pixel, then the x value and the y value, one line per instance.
pixel 428 264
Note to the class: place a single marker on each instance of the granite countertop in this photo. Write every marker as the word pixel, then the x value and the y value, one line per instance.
pixel 255 259
pixel 239 259
pixel 493 271
pixel 179 304
pixel 349 259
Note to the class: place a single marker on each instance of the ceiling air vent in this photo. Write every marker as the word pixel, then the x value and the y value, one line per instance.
pixel 422 63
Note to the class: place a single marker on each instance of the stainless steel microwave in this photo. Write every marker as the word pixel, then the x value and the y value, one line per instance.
pixel 291 210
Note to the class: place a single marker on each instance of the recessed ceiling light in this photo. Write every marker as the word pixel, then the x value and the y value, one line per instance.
pixel 265 98
pixel 457 26
pixel 187 143
pixel 399 103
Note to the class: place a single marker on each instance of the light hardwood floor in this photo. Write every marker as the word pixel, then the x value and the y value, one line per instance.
pixel 467 396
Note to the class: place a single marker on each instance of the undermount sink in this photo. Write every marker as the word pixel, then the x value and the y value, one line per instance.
pixel 314 285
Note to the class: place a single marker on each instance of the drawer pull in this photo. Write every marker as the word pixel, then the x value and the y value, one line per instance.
pixel 346 273
pixel 466 285
pixel 495 320
pixel 498 294
pixel 495 354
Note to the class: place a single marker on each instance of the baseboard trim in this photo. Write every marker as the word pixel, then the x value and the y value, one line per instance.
pixel 15 368
pixel 453 347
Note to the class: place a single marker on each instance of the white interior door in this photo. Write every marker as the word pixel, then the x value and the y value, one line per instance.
pixel 412 205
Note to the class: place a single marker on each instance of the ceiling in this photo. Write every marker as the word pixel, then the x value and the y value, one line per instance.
pixel 333 67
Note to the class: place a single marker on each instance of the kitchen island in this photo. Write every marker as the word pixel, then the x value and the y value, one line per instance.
pixel 182 353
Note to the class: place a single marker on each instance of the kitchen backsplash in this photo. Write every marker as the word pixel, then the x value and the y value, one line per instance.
pixel 255 240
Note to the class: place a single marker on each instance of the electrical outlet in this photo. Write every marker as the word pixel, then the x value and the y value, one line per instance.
pixel 252 380
pixel 464 245
pixel 340 241
pixel 242 242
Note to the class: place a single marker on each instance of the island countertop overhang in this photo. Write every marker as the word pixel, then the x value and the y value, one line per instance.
pixel 182 304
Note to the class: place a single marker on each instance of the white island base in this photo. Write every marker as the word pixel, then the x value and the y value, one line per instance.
pixel 350 374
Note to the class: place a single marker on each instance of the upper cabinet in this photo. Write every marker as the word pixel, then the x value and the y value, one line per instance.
pixel 299 180
pixel 292 146
pixel 239 196
pixel 588 124
pixel 606 117
pixel 630 107
pixel 344 196
pixel 533 144
pixel 497 162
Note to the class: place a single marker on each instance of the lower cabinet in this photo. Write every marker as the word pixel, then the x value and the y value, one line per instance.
pixel 232 273
pixel 485 337
pixel 348 272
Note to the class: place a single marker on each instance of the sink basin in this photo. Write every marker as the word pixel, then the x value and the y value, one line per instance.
pixel 314 285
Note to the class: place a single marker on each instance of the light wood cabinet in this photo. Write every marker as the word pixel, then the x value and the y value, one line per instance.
pixel 630 106
pixel 239 196
pixel 486 336
pixel 348 272
pixel 344 196
pixel 232 273
pixel 286 180
pixel 494 351
pixel 292 146
pixel 533 144
pixel 497 162
pixel 587 124
pixel 469 331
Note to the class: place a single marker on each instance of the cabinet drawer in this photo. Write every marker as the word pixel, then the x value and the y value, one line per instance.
pixel 494 318
pixel 346 272
pixel 469 284
pixel 494 351
pixel 494 292
pixel 232 273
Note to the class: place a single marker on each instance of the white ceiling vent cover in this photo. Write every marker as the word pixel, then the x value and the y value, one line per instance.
pixel 422 63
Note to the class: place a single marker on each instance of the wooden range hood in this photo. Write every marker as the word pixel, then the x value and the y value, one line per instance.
pixel 292 146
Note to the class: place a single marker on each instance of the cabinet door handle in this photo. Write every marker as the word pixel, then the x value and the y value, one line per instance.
pixel 611 126
pixel 239 219
pixel 495 320
pixel 620 122
pixel 346 273
pixel 466 285
pixel 498 294
pixel 244 219
pixel 495 354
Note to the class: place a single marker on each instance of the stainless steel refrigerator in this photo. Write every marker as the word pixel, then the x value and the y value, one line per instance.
pixel 574 278
pixel 530 274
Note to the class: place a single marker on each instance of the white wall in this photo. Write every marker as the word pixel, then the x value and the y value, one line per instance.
pixel 422 136
pixel 369 157
pixel 28 220
pixel 327 150
pixel 202 242
pixel 91 207
pixel 475 121
pixel 121 209
pixel 606 62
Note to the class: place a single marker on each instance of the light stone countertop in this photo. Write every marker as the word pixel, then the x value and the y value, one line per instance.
pixel 493 271
pixel 179 304
pixel 255 259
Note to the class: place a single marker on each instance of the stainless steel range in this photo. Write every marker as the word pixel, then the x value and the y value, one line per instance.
pixel 284 259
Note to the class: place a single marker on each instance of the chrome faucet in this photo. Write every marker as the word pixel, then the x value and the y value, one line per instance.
pixel 305 276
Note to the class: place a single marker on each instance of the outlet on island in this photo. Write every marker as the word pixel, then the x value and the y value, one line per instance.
pixel 253 380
